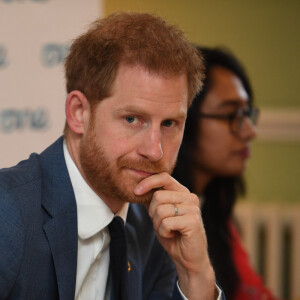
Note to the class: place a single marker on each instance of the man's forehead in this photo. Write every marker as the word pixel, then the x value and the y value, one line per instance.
pixel 125 67
pixel 142 77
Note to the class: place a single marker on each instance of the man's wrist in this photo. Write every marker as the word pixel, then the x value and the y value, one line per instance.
pixel 218 292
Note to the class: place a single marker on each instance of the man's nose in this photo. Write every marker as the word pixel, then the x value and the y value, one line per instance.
pixel 151 145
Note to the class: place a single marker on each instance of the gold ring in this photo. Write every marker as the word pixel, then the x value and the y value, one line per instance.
pixel 175 210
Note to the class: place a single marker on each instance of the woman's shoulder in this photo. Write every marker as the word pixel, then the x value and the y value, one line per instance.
pixel 251 284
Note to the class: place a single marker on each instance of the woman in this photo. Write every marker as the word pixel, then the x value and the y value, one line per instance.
pixel 213 156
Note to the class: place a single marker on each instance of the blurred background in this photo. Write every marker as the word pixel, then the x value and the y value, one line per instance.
pixel 264 35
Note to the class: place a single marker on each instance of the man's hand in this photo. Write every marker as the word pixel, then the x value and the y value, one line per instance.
pixel 178 225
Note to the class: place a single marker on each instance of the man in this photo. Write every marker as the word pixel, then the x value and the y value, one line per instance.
pixel 130 80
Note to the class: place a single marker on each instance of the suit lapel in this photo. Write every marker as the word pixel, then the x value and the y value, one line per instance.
pixel 135 273
pixel 61 228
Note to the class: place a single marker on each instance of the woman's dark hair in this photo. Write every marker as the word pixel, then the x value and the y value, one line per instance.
pixel 221 193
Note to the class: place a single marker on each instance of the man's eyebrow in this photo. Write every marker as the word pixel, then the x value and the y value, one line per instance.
pixel 130 109
pixel 136 110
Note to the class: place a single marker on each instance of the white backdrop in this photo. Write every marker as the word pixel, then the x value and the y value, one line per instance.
pixel 34 38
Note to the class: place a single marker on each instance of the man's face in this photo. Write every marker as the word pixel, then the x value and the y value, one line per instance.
pixel 134 133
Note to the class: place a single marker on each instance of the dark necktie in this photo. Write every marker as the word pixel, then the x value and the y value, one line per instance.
pixel 118 259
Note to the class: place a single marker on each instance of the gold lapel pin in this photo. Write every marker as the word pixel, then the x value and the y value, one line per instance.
pixel 129 266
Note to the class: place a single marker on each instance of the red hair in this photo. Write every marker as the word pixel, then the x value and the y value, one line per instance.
pixel 133 39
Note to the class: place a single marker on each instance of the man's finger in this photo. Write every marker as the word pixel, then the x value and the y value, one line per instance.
pixel 159 181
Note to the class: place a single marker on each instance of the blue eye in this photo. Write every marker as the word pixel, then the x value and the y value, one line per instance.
pixel 130 119
pixel 168 123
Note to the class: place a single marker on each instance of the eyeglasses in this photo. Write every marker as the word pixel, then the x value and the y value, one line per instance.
pixel 236 118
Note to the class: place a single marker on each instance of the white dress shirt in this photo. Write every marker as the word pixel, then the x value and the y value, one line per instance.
pixel 93 237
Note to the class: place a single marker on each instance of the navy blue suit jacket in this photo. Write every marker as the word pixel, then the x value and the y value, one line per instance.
pixel 38 236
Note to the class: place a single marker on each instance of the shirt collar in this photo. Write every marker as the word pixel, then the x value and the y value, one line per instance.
pixel 93 214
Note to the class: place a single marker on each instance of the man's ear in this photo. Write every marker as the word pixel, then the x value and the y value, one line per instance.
pixel 77 111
